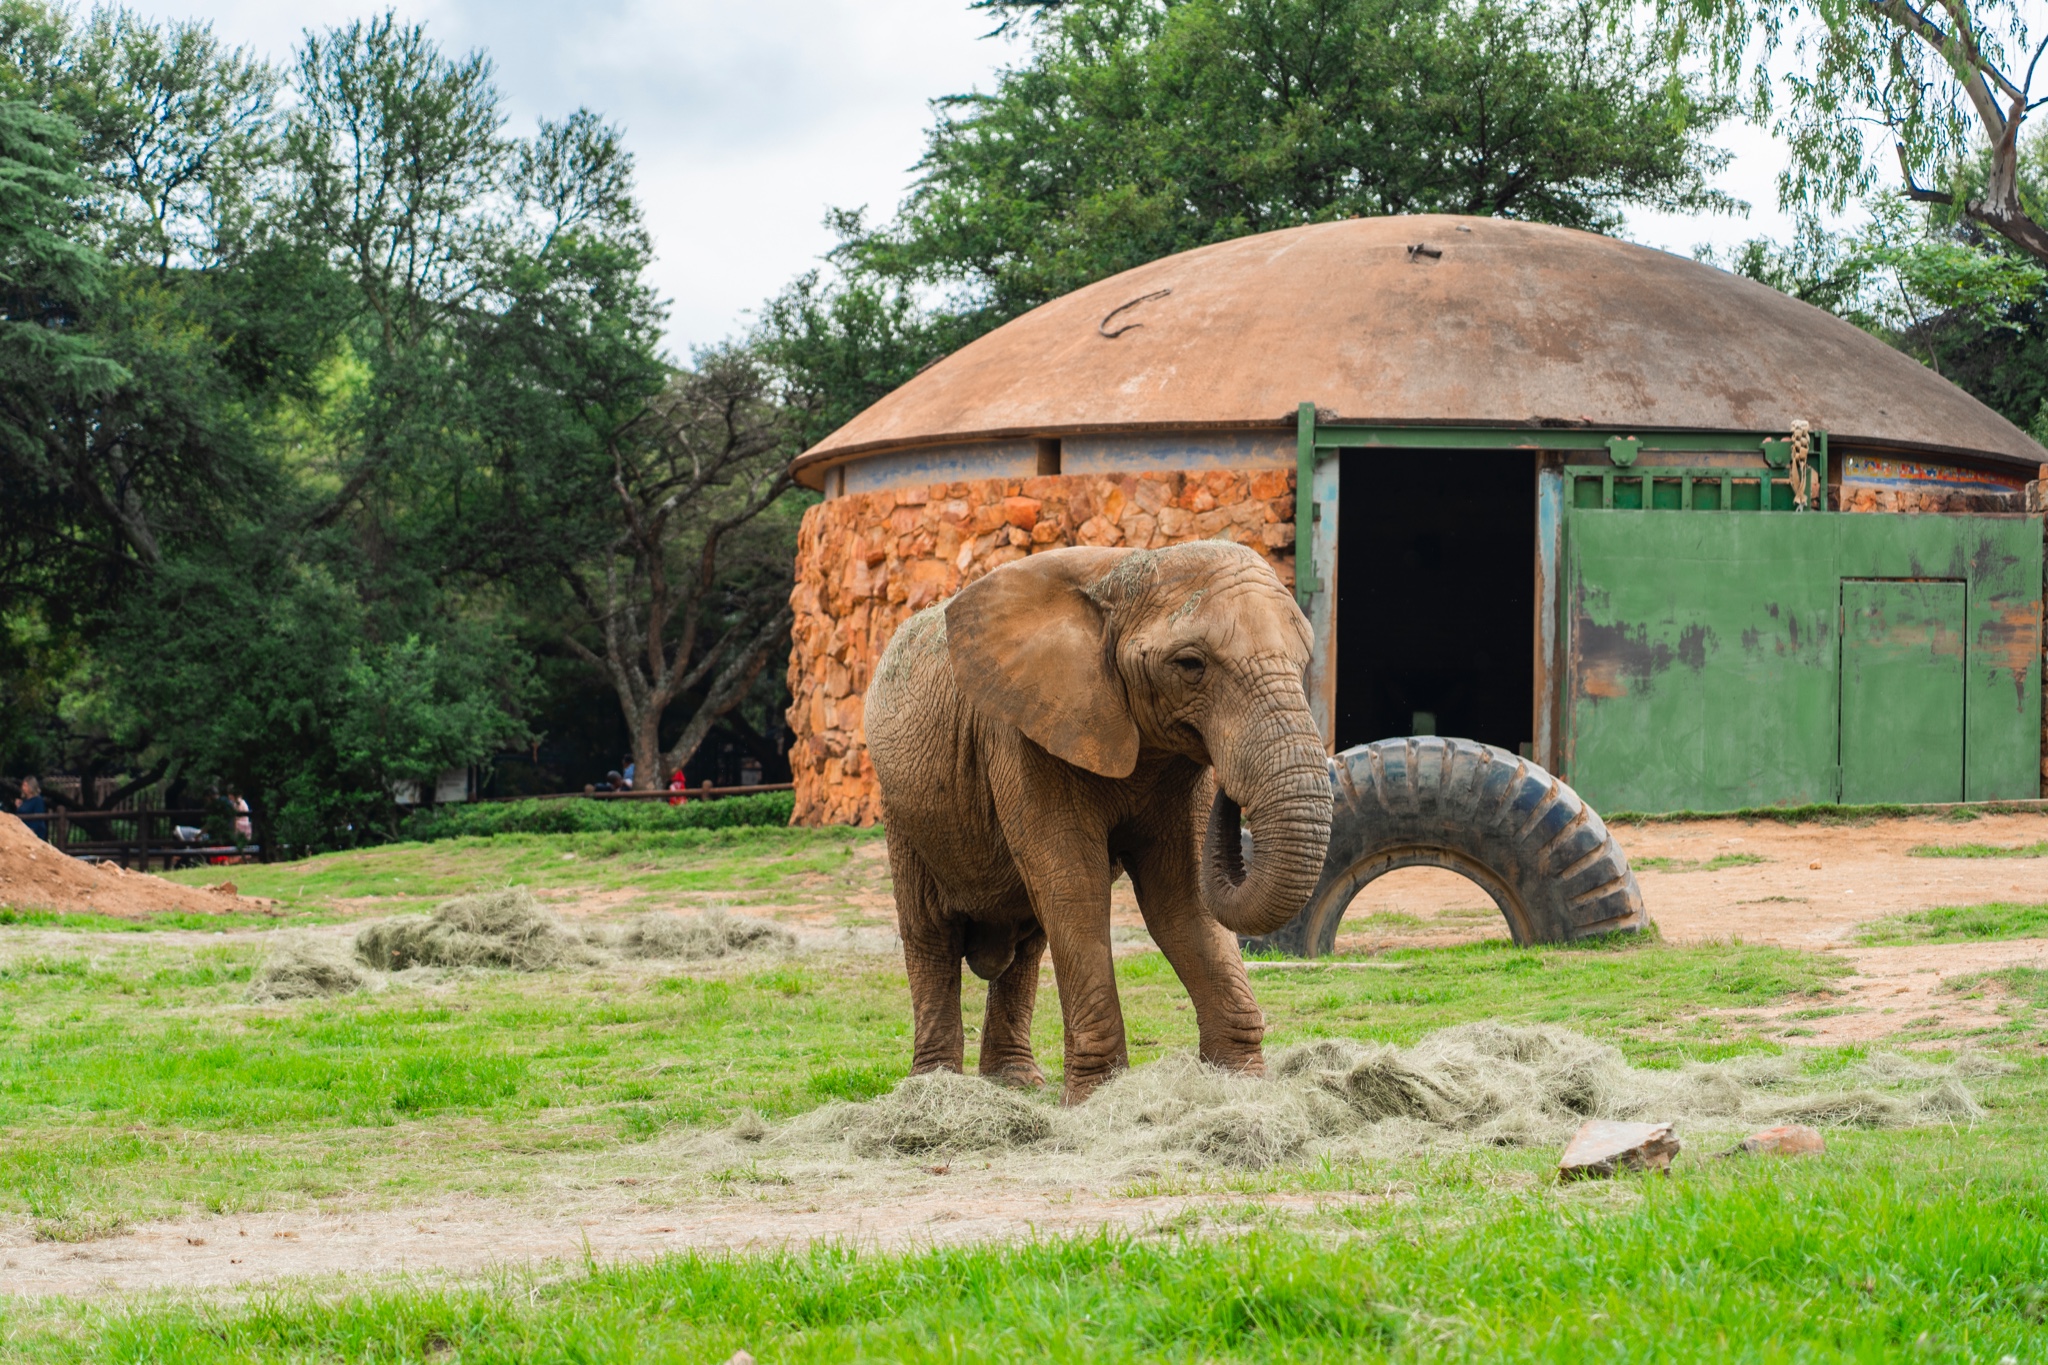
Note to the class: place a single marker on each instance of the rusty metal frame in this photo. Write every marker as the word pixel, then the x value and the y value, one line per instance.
pixel 1317 443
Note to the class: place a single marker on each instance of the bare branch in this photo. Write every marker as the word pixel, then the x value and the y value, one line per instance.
pixel 1913 191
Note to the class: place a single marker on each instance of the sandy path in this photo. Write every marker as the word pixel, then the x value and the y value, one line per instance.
pixel 1911 987
pixel 469 1237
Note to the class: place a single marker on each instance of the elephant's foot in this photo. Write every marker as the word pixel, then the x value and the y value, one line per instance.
pixel 920 1068
pixel 1080 1085
pixel 1242 1061
pixel 1019 1075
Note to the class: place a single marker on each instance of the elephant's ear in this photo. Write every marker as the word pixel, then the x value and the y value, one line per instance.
pixel 1030 647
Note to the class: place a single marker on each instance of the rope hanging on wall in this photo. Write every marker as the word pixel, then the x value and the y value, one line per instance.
pixel 1805 479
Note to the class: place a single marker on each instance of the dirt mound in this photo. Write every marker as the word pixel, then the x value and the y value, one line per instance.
pixel 487 929
pixel 301 968
pixel 35 876
pixel 1470 1086
pixel 711 934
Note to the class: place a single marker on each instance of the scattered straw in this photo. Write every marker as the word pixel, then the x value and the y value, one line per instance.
pixel 301 968
pixel 941 1113
pixel 711 934
pixel 489 929
pixel 1476 1085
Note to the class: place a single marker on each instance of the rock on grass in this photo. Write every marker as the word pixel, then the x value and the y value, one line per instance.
pixel 1604 1148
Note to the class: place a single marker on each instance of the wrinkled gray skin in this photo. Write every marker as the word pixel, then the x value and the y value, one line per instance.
pixel 1060 716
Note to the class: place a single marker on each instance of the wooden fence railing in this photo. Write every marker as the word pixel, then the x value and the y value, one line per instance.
pixel 694 794
pixel 133 837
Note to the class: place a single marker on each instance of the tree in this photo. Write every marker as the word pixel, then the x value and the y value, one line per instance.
pixel 1139 128
pixel 1933 283
pixel 1941 79
pixel 688 594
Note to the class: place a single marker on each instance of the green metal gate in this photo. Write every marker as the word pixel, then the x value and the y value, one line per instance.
pixel 1902 689
pixel 1727 660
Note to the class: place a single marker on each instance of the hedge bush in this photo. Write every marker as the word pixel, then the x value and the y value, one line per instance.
pixel 576 815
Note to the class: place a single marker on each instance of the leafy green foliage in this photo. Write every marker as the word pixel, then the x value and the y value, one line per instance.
pixel 1950 88
pixel 597 816
pixel 319 412
pixel 1137 129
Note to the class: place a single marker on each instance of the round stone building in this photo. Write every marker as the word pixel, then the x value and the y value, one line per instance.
pixel 1688 542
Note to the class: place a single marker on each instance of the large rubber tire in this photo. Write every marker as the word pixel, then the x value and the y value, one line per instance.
pixel 1526 838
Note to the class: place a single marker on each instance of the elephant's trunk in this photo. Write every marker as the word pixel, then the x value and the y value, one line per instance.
pixel 1277 775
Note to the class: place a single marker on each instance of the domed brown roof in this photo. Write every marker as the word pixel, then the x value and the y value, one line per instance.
pixel 1513 324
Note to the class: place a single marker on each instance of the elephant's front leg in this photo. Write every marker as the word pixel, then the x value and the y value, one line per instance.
pixel 1006 1053
pixel 1071 896
pixel 934 943
pixel 1203 953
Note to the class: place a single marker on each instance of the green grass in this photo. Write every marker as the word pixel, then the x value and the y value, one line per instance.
pixel 1958 924
pixel 2037 850
pixel 760 864
pixel 1926 1246
pixel 137 1082
pixel 1718 863
pixel 88 922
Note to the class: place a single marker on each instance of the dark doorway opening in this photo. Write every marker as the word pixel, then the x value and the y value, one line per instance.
pixel 1436 595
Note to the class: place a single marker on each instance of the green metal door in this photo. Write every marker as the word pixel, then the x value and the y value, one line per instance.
pixel 1706 665
pixel 1902 690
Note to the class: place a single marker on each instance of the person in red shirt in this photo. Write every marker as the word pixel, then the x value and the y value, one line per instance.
pixel 678 783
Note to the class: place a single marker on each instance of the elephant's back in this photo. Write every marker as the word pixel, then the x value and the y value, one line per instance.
pixel 912 697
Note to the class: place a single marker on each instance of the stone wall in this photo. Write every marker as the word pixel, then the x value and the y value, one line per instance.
pixel 866 561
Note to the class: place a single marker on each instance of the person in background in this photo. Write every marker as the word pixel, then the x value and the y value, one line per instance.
pixel 614 781
pixel 678 783
pixel 33 803
pixel 244 830
pixel 626 772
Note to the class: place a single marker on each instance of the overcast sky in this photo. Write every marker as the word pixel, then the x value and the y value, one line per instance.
pixel 749 119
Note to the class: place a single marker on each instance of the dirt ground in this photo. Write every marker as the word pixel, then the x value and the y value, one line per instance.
pixel 1812 886
pixel 34 874
pixel 473 1236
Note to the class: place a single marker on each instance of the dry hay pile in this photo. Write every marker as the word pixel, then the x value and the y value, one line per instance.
pixel 300 967
pixel 35 876
pixel 711 934
pixel 487 929
pixel 1474 1085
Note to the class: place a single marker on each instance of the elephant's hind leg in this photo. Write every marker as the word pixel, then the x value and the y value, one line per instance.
pixel 934 942
pixel 1006 1054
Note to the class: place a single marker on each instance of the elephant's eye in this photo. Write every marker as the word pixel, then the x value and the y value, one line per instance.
pixel 1191 667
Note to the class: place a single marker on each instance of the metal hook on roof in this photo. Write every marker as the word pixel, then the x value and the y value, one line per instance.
pixel 1102 327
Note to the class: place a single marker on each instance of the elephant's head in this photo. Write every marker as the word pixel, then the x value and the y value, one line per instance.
pixel 1196 650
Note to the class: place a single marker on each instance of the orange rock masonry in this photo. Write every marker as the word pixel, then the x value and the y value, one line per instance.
pixel 866 561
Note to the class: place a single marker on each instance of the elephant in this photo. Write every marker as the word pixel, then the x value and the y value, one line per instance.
pixel 1070 712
